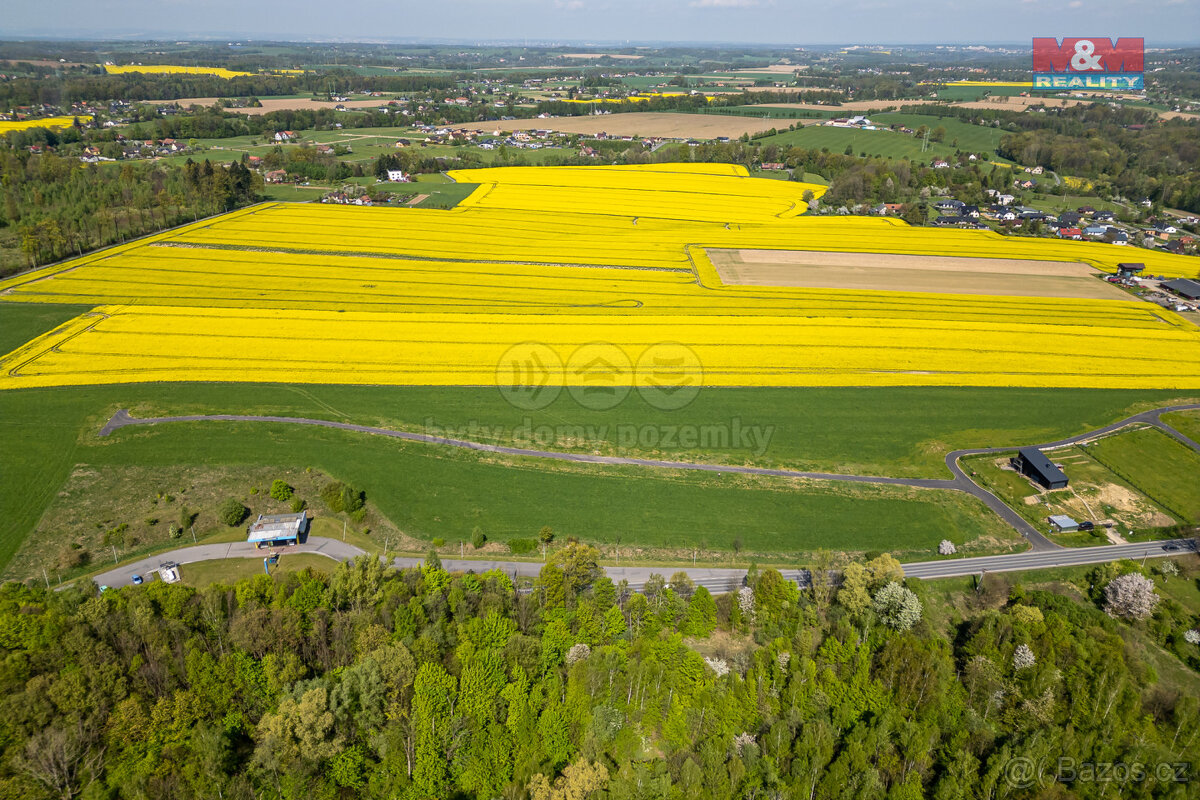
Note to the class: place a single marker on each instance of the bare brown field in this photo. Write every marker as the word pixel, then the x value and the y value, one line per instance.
pixel 790 89
pixel 43 62
pixel 281 104
pixel 660 124
pixel 857 105
pixel 782 69
pixel 937 274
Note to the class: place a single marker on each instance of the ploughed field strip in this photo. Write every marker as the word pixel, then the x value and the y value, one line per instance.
pixel 939 274
pixel 632 256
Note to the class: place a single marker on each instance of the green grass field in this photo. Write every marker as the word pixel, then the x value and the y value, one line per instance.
pixel 1186 422
pixel 969 93
pixel 429 491
pixel 959 135
pixel 1161 467
pixel 230 570
pixel 1055 203
pixel 884 144
pixel 21 321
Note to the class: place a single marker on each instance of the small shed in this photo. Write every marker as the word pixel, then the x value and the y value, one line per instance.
pixel 1032 463
pixel 1129 270
pixel 1063 523
pixel 277 529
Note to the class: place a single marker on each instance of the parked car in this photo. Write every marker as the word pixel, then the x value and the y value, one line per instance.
pixel 137 580
pixel 1087 526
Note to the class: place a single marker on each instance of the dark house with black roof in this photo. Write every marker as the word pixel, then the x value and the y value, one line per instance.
pixel 1032 463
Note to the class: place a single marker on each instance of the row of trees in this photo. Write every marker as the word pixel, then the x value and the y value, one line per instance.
pixel 133 86
pixel 419 683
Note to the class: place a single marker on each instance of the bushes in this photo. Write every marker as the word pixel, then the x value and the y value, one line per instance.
pixel 280 490
pixel 478 538
pixel 521 547
pixel 232 512
pixel 338 497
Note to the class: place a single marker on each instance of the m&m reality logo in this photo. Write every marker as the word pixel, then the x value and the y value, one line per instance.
pixel 1089 63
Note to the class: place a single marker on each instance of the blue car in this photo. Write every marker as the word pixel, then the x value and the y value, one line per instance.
pixel 137 580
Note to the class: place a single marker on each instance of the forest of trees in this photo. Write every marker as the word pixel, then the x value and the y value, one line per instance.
pixel 419 683
pixel 54 207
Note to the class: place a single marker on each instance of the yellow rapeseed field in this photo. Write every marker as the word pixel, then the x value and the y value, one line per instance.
pixel 172 69
pixel 567 256
pixel 7 125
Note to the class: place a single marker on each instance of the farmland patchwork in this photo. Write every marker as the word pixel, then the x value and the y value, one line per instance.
pixel 566 256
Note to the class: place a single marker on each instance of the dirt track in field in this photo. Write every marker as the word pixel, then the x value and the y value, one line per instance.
pixel 638 123
pixel 936 274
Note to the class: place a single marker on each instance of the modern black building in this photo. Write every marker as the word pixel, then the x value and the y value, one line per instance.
pixel 1184 287
pixel 1033 463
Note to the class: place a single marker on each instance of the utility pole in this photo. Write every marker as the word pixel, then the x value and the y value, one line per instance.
pixel 114 547
pixel 193 527
pixel 46 577
pixel 343 530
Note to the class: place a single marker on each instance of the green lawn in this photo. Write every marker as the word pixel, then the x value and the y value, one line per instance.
pixel 1055 203
pixel 1186 422
pixel 231 570
pixel 1161 467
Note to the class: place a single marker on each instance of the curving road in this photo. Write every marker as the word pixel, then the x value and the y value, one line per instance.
pixel 960 482
pixel 715 579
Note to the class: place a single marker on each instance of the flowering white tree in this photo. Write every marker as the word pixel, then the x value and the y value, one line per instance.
pixel 1023 658
pixel 947 548
pixel 897 607
pixel 745 597
pixel 1131 596
pixel 717 665
pixel 578 653
pixel 1191 637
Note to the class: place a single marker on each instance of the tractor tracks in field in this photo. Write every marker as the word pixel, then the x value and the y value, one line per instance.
pixel 961 482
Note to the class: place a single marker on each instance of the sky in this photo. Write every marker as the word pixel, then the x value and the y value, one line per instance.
pixel 797 22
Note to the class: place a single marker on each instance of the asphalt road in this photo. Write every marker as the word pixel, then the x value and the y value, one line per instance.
pixel 961 482
pixel 715 579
